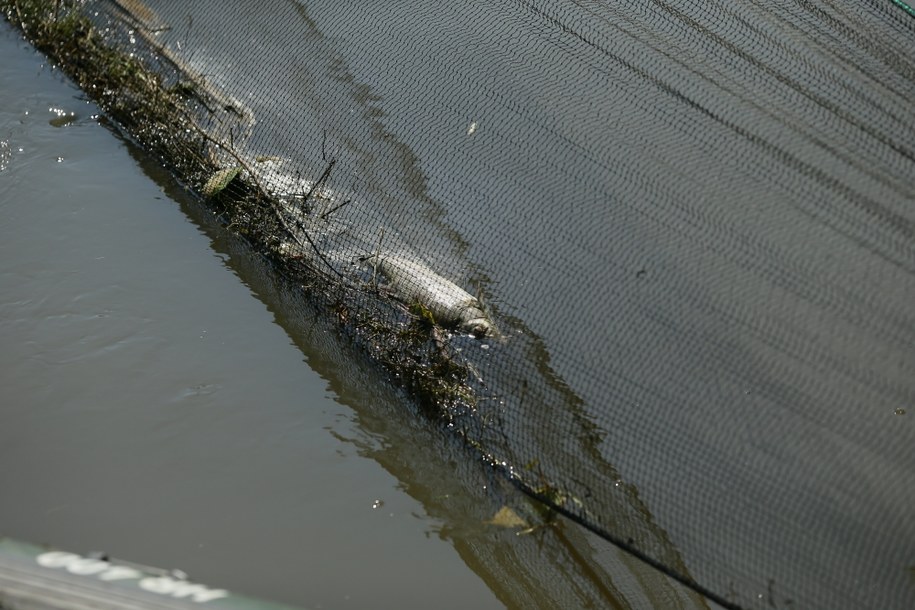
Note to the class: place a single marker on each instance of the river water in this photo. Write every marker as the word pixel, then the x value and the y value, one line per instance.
pixel 152 407
pixel 692 223
pixel 169 401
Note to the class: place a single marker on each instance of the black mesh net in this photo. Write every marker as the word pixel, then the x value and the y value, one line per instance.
pixel 654 261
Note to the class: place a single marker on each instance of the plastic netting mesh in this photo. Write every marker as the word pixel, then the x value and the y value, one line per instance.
pixel 660 255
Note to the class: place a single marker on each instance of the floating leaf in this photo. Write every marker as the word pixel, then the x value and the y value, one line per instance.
pixel 220 180
pixel 506 517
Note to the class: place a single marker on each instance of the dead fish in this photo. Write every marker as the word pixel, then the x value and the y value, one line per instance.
pixel 448 303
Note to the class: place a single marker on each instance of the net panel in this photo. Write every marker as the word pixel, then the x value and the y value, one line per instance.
pixel 657 258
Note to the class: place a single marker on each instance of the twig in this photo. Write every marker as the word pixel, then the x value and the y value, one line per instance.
pixel 334 209
pixel 375 256
pixel 320 180
pixel 311 243
pixel 19 14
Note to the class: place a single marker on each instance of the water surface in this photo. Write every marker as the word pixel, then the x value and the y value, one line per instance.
pixel 151 406
pixel 169 400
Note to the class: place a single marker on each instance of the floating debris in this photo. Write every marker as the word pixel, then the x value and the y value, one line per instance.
pixel 507 517
pixel 219 181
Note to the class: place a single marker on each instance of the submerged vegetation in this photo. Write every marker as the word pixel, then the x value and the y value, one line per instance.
pixel 170 113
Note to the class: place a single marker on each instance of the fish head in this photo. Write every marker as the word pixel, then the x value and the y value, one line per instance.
pixel 478 327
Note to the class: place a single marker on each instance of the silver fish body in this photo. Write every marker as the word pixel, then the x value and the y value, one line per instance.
pixel 448 303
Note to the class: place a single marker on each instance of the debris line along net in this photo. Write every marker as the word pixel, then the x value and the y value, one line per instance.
pixel 654 260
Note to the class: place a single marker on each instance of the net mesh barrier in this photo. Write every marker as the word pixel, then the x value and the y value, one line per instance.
pixel 655 261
